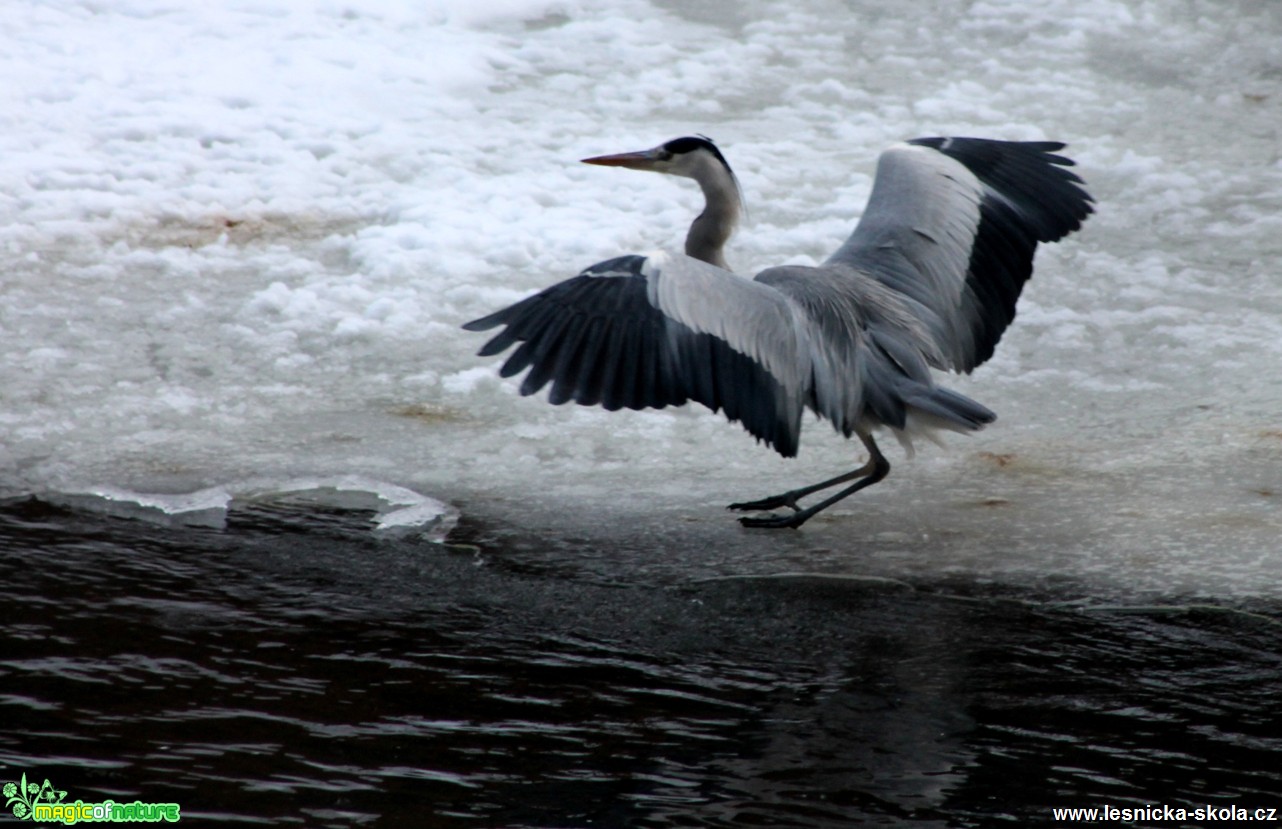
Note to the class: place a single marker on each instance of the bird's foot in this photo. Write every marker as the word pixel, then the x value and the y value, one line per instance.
pixel 787 499
pixel 774 522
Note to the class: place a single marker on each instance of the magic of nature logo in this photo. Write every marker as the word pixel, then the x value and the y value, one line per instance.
pixel 44 803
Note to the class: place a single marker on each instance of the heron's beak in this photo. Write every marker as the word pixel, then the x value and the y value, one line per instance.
pixel 644 160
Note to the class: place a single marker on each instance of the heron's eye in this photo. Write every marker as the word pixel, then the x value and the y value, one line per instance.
pixel 665 155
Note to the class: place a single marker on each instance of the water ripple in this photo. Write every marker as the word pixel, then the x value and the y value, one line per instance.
pixel 243 673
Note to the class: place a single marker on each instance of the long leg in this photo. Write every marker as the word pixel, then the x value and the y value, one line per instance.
pixel 789 498
pixel 868 474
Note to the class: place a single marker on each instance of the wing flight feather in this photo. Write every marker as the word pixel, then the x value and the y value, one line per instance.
pixel 648 332
pixel 953 224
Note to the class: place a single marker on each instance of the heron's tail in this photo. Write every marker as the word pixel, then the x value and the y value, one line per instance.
pixel 929 410
pixel 900 392
pixel 942 408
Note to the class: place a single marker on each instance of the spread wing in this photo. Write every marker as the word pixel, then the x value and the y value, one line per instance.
pixel 953 223
pixel 648 332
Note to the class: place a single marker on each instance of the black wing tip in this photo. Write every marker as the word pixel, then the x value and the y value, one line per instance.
pixel 1030 173
pixel 499 317
pixel 944 142
pixel 482 324
pixel 786 446
pixel 982 152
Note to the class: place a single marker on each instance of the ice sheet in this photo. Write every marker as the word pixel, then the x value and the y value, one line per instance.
pixel 237 241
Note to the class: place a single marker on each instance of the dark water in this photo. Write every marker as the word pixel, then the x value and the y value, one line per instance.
pixel 293 669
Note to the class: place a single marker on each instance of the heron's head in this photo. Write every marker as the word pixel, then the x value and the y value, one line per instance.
pixel 691 156
pixel 696 157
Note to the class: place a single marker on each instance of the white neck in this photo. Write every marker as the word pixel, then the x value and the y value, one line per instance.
pixel 715 225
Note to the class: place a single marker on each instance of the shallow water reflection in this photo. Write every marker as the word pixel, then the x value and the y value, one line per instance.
pixel 293 669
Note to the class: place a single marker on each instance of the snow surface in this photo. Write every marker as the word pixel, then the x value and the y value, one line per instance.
pixel 238 240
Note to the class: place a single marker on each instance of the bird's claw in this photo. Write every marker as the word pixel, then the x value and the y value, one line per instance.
pixel 787 499
pixel 773 522
pixel 773 502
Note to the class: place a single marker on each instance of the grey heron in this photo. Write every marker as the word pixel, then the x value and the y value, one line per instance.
pixel 928 280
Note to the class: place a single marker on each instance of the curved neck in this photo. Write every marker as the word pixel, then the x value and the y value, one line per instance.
pixel 713 227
